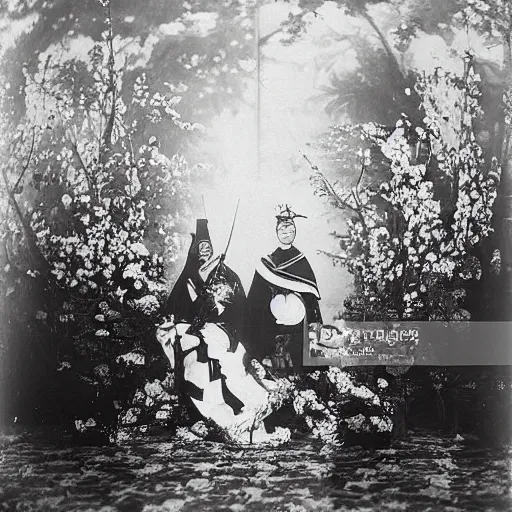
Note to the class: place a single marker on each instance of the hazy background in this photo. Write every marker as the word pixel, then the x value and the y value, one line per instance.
pixel 290 77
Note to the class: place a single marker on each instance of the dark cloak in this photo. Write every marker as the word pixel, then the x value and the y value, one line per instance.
pixel 179 302
pixel 203 310
pixel 282 272
pixel 184 309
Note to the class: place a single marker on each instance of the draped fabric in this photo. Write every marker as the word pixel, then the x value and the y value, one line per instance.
pixel 292 266
pixel 214 378
pixel 180 303
pixel 283 272
pixel 219 300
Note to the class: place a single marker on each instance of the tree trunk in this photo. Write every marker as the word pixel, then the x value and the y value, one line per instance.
pixel 392 58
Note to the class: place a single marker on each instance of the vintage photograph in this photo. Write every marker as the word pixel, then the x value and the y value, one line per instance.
pixel 255 255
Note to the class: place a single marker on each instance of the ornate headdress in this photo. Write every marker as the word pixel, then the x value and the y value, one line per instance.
pixel 202 232
pixel 284 213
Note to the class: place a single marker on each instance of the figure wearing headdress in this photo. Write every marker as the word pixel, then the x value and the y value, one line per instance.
pixel 207 289
pixel 207 292
pixel 282 301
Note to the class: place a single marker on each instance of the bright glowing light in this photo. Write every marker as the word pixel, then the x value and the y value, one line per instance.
pixel 287 124
pixel 254 232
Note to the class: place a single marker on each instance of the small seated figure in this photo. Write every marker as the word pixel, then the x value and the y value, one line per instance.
pixel 281 358
pixel 330 340
pixel 332 337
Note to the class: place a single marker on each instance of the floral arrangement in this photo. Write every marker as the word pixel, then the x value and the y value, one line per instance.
pixel 416 229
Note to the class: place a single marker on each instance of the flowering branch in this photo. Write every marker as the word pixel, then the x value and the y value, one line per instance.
pixel 422 237
pixel 328 187
pixel 29 158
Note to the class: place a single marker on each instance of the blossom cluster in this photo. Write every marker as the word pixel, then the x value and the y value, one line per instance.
pixel 361 423
pixel 160 106
pixel 402 36
pixel 492 17
pixel 371 422
pixel 350 145
pixel 322 422
pixel 418 226
pixel 345 385
pixel 507 101
pixel 102 254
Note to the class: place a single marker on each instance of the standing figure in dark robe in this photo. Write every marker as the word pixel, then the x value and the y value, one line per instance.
pixel 207 289
pixel 207 292
pixel 282 303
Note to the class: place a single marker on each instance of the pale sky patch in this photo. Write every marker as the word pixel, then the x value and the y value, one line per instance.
pixel 11 30
pixel 478 45
pixel 248 65
pixel 428 51
pixel 173 28
pixel 201 23
pixel 130 47
pixel 70 48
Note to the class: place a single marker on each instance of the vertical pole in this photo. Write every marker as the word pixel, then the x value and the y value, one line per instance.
pixel 204 207
pixel 258 92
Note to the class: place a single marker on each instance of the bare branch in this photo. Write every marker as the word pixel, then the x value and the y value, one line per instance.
pixel 330 189
pixel 359 211
pixel 107 134
pixel 363 168
pixel 25 167
pixel 342 259
pixel 263 40
pixel 88 176
pixel 43 81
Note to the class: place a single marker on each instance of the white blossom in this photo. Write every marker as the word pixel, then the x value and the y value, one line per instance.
pixel 139 248
pixel 148 304
pixel 41 315
pixel 66 200
pixel 382 383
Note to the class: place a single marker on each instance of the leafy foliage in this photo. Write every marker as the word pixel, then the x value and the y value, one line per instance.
pixel 409 235
pixel 97 226
pixel 375 92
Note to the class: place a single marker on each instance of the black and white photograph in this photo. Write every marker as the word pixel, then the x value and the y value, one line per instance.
pixel 255 255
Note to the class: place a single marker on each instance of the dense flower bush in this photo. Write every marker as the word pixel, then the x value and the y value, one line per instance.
pixel 415 229
pixel 335 406
pixel 98 224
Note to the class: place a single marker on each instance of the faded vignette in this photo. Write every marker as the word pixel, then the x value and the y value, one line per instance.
pixel 264 151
